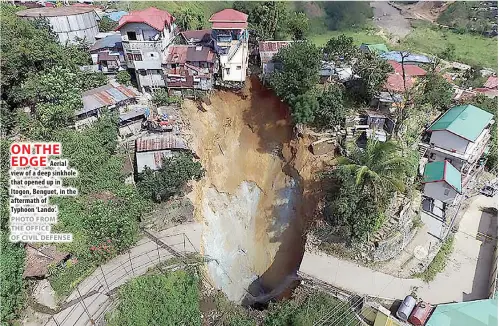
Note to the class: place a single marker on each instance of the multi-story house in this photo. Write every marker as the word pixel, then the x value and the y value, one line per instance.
pixel 146 35
pixel 460 136
pixel 229 31
pixel 189 67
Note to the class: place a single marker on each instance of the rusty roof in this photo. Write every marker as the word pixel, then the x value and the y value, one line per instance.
pixel 159 142
pixel 105 96
pixel 268 49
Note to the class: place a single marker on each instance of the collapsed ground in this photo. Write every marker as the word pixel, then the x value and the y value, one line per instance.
pixel 257 195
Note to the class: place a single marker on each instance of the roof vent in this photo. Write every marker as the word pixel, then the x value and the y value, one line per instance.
pixel 199 48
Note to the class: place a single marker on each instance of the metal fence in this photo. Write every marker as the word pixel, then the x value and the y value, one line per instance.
pixel 92 298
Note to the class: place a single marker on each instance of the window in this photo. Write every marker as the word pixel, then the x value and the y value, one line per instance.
pixel 132 36
pixel 227 71
pixel 446 192
pixel 238 67
pixel 129 56
pixel 142 72
pixel 137 57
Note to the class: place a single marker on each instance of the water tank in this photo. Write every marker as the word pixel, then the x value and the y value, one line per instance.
pixel 405 309
pixel 420 314
pixel 69 23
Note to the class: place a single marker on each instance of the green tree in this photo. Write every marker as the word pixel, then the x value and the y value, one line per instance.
pixel 106 24
pixel 373 72
pixel 340 49
pixel 171 178
pixel 188 18
pixel 298 25
pixel 177 293
pixel 380 165
pixel 161 97
pixel 346 14
pixel 350 204
pixel 268 19
pixel 123 77
pixel 331 111
pixel 304 107
pixel 436 92
pixel 296 76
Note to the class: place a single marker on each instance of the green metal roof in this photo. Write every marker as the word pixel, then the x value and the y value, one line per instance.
pixel 377 48
pixel 471 313
pixel 466 121
pixel 443 171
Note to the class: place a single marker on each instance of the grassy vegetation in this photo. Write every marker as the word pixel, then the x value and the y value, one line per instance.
pixel 468 48
pixel 438 263
pixel 163 299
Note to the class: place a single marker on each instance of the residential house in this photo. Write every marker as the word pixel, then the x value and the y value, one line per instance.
pixel 189 67
pixel 408 58
pixel 111 96
pixel 230 34
pixel 442 181
pixel 374 48
pixel 196 36
pixel 478 312
pixel 329 72
pixel 108 54
pixel 489 89
pixel 267 50
pixel 460 136
pixel 145 35
pixel 387 102
pixel 395 81
pixel 150 150
pixel 374 125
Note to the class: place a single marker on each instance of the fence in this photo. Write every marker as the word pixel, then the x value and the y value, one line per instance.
pixel 92 298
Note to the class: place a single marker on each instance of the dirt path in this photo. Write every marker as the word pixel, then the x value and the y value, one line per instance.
pixel 390 19
pixel 251 198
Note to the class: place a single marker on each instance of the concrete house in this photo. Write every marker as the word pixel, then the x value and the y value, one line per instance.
pixel 145 35
pixel 442 181
pixel 230 33
pixel 108 54
pixel 460 136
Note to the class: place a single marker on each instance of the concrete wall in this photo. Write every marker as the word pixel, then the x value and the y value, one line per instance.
pixel 449 141
pixel 436 156
pixel 441 191
pixel 235 69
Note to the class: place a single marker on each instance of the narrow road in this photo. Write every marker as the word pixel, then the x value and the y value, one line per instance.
pixel 464 278
pixel 96 288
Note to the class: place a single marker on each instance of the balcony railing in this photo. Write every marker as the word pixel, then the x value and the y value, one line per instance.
pixel 140 45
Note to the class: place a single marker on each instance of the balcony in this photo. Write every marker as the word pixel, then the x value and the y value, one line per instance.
pixel 142 45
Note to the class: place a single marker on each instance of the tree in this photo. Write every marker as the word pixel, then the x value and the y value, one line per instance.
pixel 331 111
pixel 189 18
pixel 298 25
pixel 268 19
pixel 380 165
pixel 346 14
pixel 298 70
pixel 436 92
pixel 170 179
pixel 304 107
pixel 352 205
pixel 106 24
pixel 373 72
pixel 161 97
pixel 340 49
pixel 123 77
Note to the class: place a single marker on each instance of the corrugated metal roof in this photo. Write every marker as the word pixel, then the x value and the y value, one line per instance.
pixel 228 15
pixel 408 57
pixel 466 121
pixel 105 96
pixel 491 82
pixel 268 49
pixel 153 17
pixel 111 41
pixel 443 171
pixel 159 142
pixel 54 12
pixel 470 313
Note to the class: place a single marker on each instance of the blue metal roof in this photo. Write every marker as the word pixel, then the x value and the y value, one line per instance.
pixel 408 57
pixel 116 15
pixel 111 41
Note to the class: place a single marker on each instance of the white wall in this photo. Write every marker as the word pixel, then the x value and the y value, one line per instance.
pixel 440 157
pixel 449 141
pixel 239 59
pixel 436 190
pixel 143 31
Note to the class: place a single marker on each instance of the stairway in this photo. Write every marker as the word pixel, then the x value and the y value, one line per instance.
pixel 422 151
pixel 232 53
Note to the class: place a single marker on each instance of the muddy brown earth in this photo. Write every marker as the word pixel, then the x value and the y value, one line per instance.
pixel 254 201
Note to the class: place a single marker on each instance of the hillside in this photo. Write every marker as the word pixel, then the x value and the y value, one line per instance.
pixel 470 16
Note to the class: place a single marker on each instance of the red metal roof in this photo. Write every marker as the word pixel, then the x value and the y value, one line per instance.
pixel 491 82
pixel 271 46
pixel 229 25
pixel 153 17
pixel 229 15
pixel 177 54
pixel 410 70
pixel 395 83
pixel 486 91
pixel 196 35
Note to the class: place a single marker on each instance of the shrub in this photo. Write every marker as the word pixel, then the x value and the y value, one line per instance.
pixel 123 77
pixel 167 300
pixel 161 97
pixel 438 263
